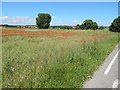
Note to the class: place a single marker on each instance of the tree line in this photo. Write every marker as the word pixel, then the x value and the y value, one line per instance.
pixel 43 21
pixel 18 26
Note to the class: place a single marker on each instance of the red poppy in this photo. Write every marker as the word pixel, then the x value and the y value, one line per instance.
pixel 75 40
pixel 73 47
pixel 3 72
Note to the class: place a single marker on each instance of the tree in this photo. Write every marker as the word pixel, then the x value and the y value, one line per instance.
pixel 89 24
pixel 101 27
pixel 77 26
pixel 43 20
pixel 115 26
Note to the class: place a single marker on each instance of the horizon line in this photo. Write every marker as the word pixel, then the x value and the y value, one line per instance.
pixel 50 25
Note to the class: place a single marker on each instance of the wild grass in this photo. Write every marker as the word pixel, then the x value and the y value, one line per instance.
pixel 41 62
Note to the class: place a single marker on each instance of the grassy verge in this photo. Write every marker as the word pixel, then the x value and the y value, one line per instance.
pixel 32 62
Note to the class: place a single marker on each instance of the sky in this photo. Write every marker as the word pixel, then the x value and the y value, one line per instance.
pixel 59 0
pixel 62 13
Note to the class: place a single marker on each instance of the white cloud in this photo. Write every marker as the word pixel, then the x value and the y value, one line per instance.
pixel 75 21
pixel 18 16
pixel 104 23
pixel 5 17
pixel 18 20
pixel 54 22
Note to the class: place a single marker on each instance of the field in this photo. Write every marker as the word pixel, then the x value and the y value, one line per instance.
pixel 52 58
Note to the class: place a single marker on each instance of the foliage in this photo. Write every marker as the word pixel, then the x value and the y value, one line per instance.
pixel 77 26
pixel 61 27
pixel 9 26
pixel 101 27
pixel 115 26
pixel 43 20
pixel 89 24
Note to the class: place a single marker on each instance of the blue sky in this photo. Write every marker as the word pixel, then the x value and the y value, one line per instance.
pixel 63 13
pixel 59 0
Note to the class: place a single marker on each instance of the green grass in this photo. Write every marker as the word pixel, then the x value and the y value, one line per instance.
pixel 39 63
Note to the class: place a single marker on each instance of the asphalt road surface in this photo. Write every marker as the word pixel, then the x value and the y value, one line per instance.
pixel 107 74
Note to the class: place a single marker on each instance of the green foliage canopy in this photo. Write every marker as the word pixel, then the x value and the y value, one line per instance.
pixel 43 20
pixel 89 24
pixel 115 26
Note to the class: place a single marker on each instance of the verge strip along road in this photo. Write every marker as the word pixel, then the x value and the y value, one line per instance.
pixel 107 74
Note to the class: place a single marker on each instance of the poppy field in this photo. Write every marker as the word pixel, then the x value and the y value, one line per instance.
pixel 51 58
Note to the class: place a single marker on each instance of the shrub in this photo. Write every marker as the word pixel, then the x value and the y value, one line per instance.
pixel 89 24
pixel 115 26
pixel 77 26
pixel 101 27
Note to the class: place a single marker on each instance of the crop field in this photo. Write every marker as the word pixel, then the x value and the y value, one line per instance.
pixel 46 58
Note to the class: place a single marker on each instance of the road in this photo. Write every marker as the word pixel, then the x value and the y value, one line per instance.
pixel 107 74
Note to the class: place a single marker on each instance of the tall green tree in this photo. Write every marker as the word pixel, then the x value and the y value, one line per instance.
pixel 115 26
pixel 89 24
pixel 43 20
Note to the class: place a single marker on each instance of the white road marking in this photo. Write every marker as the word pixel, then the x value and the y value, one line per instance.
pixel 109 66
pixel 115 84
